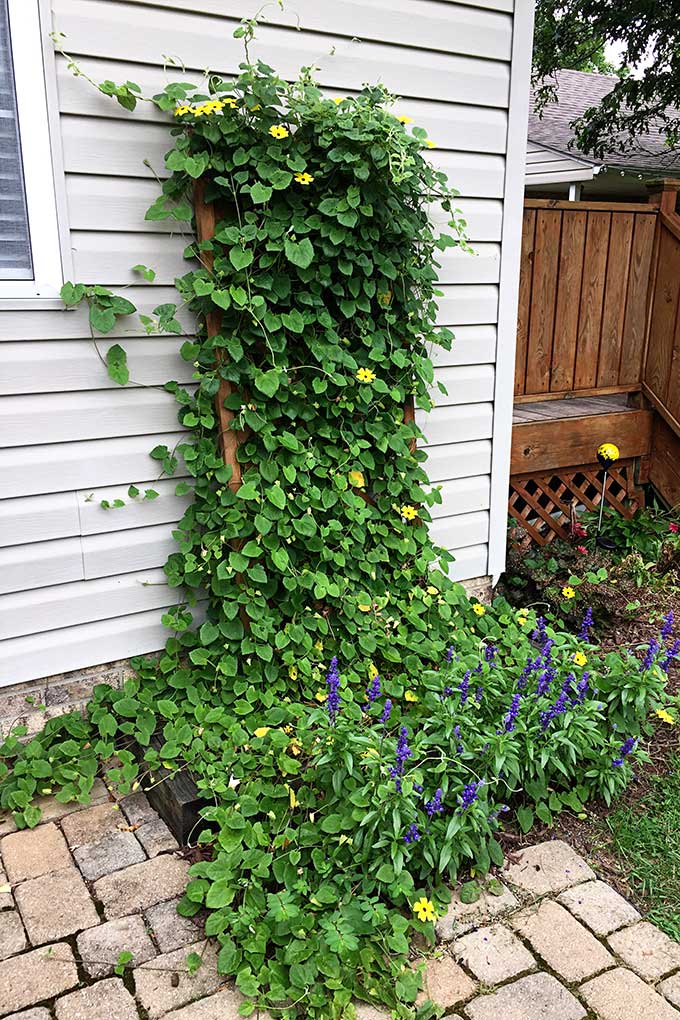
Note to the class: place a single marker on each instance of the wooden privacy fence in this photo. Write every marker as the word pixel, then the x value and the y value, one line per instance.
pixel 598 321
pixel 661 375
pixel 582 297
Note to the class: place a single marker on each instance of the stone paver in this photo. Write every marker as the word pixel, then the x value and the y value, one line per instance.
pixel 621 995
pixel 170 930
pixel 6 900
pixel 36 976
pixel 34 852
pixel 445 983
pixel 670 988
pixel 137 809
pixel 462 917
pixel 536 997
pixel 112 853
pixel 156 837
pixel 223 1005
pixel 141 886
pixel 566 946
pixel 599 906
pixel 164 984
pixel 646 950
pixel 493 954
pixel 55 905
pixel 12 935
pixel 100 947
pixel 39 1013
pixel 45 899
pixel 548 868
pixel 93 824
pixel 108 1000
pixel 51 810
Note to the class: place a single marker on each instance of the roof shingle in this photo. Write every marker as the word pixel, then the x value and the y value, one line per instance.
pixel 576 92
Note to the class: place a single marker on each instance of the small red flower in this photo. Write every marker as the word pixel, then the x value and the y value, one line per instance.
pixel 582 549
pixel 675 528
pixel 578 531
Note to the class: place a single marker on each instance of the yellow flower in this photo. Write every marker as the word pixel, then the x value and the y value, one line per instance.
pixel 229 101
pixel 262 731
pixel 279 131
pixel 294 747
pixel 410 696
pixel 579 658
pixel 479 609
pixel 293 672
pixel 320 695
pixel 365 375
pixel 405 120
pixel 181 110
pixel 199 111
pixel 424 908
pixel 357 479
pixel 318 645
pixel 408 512
pixel 665 716
pixel 304 178
pixel 523 617
pixel 373 672
pixel 430 144
pixel 338 99
pixel 568 592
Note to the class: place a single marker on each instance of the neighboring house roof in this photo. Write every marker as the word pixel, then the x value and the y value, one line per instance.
pixel 576 92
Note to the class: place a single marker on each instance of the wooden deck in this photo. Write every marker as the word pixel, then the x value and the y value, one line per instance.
pixel 598 339
pixel 554 468
pixel 577 407
pixel 566 433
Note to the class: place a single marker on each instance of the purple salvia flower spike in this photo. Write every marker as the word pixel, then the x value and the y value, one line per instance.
pixel 584 633
pixel 667 626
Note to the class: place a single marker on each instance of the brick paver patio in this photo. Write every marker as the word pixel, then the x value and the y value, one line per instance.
pixel 89 883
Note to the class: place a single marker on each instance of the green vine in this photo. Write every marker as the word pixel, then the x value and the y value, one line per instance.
pixel 342 797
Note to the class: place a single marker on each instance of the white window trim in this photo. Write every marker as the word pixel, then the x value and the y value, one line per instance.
pixel 36 151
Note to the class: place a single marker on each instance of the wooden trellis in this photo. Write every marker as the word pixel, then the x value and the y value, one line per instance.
pixel 543 504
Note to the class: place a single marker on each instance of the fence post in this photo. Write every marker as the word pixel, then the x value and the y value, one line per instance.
pixel 663 193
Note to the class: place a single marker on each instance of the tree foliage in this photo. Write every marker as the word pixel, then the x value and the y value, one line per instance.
pixel 572 33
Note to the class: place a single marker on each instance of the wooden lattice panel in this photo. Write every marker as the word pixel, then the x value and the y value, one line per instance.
pixel 543 504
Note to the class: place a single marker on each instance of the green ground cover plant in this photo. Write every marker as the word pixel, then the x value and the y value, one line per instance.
pixel 646 837
pixel 358 726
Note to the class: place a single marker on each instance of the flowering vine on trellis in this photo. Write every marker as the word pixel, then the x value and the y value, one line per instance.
pixel 324 700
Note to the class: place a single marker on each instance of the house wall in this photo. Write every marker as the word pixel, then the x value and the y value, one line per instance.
pixel 548 166
pixel 81 585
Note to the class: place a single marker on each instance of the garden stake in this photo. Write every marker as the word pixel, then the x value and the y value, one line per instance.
pixel 607 455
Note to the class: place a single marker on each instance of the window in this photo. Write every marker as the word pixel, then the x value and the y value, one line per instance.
pixel 30 258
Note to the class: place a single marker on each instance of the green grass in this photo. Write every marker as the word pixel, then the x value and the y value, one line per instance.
pixel 648 842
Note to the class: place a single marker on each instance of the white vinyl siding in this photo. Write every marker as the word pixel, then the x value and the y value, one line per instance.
pixel 548 166
pixel 83 585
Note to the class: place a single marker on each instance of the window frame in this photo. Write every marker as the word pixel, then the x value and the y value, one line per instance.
pixel 34 77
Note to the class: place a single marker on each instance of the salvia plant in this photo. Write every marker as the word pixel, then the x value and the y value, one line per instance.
pixel 357 727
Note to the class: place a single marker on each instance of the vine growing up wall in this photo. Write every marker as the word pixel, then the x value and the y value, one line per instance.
pixel 356 724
